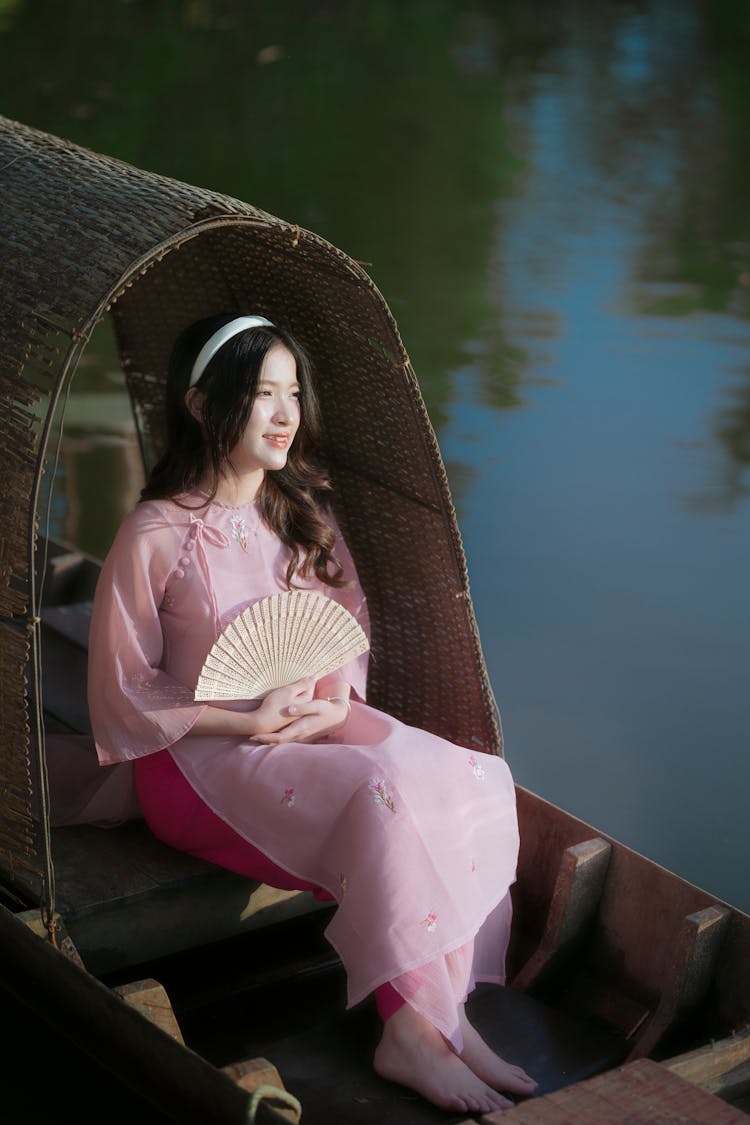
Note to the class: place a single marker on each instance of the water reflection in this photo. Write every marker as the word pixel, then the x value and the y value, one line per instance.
pixel 733 430
pixel 552 197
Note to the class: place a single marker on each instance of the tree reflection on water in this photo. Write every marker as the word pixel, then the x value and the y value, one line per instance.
pixel 396 131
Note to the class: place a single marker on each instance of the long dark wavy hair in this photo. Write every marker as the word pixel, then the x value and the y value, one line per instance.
pixel 291 499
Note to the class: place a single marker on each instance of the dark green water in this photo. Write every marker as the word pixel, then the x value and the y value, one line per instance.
pixel 553 197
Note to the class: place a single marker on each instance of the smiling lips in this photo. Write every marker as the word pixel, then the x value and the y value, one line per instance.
pixel 279 440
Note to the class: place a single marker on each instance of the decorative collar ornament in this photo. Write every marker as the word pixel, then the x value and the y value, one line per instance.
pixel 220 337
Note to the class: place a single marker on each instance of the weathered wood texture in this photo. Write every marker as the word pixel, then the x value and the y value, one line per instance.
pixel 150 999
pixel 688 974
pixel 624 966
pixel 57 935
pixel 128 898
pixel 261 1079
pixel 575 899
pixel 722 1068
pixel 252 1073
pixel 641 1093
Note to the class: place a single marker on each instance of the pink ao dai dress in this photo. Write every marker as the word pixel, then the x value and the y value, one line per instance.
pixel 414 837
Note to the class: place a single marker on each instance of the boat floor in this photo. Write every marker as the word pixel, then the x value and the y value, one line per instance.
pixel 330 1070
pixel 280 995
pixel 250 997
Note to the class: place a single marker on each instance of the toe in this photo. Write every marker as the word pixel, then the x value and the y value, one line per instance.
pixel 522 1074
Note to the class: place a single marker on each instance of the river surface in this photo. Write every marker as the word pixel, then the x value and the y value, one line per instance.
pixel 553 197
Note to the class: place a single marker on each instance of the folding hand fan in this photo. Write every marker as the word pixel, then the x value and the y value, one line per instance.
pixel 276 641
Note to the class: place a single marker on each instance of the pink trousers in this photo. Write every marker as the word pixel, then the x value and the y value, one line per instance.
pixel 176 815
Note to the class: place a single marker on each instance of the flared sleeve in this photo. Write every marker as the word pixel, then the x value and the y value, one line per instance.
pixel 134 706
pixel 352 598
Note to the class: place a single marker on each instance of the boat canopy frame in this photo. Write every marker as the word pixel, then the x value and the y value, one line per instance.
pixel 85 235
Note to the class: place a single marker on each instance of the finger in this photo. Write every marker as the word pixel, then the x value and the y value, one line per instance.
pixel 295 732
pixel 311 708
pixel 272 738
pixel 291 733
pixel 301 730
pixel 302 687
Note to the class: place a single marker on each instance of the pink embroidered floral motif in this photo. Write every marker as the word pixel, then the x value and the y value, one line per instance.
pixel 473 864
pixel 430 923
pixel 380 794
pixel 477 770
pixel 288 798
pixel 239 531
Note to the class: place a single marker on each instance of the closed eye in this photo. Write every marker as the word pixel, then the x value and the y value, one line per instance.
pixel 266 392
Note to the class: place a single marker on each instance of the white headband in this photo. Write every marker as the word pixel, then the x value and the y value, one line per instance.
pixel 213 343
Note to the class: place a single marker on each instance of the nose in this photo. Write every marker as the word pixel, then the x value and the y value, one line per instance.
pixel 285 413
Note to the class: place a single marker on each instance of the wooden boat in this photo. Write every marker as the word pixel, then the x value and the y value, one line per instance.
pixel 615 964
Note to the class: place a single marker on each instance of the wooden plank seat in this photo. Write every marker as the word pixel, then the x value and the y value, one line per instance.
pixel 125 897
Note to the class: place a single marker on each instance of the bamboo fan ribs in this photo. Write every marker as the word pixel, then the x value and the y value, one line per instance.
pixel 276 641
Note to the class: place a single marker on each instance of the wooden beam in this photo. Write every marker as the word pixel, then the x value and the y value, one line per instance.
pixel 252 1073
pixel 58 936
pixel 150 999
pixel 722 1067
pixel 687 975
pixel 578 890
pixel 271 1100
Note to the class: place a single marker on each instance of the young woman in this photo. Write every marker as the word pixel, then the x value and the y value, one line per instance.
pixel 311 788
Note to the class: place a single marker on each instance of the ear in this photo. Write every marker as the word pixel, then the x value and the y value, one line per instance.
pixel 195 400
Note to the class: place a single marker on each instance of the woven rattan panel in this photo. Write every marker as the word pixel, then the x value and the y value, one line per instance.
pixel 79 229
pixel 391 490
pixel 73 224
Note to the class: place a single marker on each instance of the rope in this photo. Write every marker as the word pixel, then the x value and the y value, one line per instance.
pixel 273 1093
pixel 47 905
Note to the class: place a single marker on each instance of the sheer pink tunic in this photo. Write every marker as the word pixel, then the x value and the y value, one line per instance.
pixel 415 838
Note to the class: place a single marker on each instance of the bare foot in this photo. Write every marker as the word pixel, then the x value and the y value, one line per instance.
pixel 488 1066
pixel 414 1053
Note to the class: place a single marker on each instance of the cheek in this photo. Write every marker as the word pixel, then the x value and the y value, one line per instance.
pixel 259 415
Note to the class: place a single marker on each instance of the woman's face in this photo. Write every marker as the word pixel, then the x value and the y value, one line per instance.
pixel 275 416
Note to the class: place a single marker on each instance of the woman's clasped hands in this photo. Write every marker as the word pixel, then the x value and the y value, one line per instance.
pixel 293 714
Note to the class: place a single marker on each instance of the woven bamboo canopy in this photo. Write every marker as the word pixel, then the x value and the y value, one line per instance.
pixel 84 236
